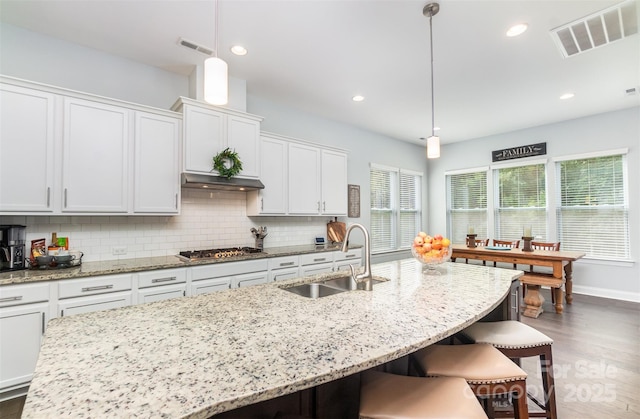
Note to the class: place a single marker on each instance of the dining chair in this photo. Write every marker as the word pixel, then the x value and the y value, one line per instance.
pixel 479 243
pixel 514 244
pixel 555 247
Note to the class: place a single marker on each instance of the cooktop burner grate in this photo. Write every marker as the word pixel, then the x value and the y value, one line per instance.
pixel 218 253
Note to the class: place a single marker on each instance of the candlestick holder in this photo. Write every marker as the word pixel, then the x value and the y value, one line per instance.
pixel 471 240
pixel 526 244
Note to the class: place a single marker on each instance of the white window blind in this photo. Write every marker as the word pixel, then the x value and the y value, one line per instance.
pixel 520 202
pixel 395 208
pixel 592 210
pixel 467 205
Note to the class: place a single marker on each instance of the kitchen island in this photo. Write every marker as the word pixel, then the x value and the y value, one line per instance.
pixel 198 356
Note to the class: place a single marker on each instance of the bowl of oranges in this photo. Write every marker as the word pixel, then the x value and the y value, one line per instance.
pixel 431 251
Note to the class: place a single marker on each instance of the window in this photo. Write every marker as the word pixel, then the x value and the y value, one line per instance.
pixel 395 207
pixel 592 206
pixel 520 202
pixel 467 205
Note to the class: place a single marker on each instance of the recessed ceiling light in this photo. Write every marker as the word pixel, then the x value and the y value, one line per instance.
pixel 567 96
pixel 239 50
pixel 357 98
pixel 516 30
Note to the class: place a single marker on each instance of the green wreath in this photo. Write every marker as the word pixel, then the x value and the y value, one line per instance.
pixel 227 163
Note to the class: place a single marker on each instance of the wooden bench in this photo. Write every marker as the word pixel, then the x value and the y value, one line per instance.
pixel 534 299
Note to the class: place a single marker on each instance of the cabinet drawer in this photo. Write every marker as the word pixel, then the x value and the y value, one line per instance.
pixel 96 285
pixel 284 262
pixel 162 277
pixel 11 295
pixel 228 269
pixel 349 254
pixel 318 268
pixel 313 258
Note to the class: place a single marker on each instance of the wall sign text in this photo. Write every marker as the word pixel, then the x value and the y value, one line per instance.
pixel 519 152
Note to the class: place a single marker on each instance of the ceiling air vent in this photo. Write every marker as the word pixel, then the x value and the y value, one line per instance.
pixel 197 47
pixel 596 30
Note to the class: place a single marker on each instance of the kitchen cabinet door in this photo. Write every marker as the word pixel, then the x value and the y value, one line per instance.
pixel 204 137
pixel 157 164
pixel 272 200
pixel 166 292
pixel 90 304
pixel 26 149
pixel 210 285
pixel 334 183
pixel 247 280
pixel 21 331
pixel 304 179
pixel 243 136
pixel 95 157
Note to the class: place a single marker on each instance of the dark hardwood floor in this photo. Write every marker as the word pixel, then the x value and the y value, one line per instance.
pixel 596 355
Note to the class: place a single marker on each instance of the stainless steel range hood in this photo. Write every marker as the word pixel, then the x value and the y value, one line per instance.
pixel 190 180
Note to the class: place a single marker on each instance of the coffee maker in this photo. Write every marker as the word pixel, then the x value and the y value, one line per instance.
pixel 12 249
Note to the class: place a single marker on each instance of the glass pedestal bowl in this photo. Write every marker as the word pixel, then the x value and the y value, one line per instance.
pixel 430 260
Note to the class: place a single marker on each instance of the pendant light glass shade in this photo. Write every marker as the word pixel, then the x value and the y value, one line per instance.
pixel 433 147
pixel 216 86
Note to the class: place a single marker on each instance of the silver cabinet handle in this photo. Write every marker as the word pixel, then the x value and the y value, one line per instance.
pixel 43 323
pixel 171 278
pixel 318 205
pixel 286 263
pixel 324 205
pixel 176 201
pixel 7 299
pixel 261 204
pixel 349 256
pixel 48 196
pixel 320 259
pixel 97 288
pixel 65 197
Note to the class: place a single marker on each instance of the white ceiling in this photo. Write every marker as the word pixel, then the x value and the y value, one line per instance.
pixel 315 55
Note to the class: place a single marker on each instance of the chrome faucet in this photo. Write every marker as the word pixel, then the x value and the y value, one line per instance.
pixel 366 275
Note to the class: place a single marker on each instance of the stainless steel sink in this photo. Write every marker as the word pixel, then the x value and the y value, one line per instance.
pixel 328 287
pixel 314 290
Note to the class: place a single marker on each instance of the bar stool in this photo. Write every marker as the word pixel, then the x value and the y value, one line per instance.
pixel 488 372
pixel 518 340
pixel 391 396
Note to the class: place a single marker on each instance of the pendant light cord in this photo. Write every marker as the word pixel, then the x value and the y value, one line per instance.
pixel 216 23
pixel 433 120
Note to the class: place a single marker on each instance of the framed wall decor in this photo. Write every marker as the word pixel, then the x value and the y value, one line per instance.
pixel 353 201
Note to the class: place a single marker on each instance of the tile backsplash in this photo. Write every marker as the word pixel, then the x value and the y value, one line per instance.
pixel 207 220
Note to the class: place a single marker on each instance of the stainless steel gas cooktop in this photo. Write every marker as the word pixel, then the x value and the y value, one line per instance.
pixel 217 253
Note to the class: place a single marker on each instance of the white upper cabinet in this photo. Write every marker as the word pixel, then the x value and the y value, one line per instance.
pixel 208 130
pixel 84 154
pixel 304 180
pixel 26 147
pixel 272 200
pixel 300 178
pixel 156 164
pixel 334 183
pixel 95 157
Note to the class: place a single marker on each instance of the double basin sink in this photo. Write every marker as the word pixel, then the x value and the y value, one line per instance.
pixel 328 287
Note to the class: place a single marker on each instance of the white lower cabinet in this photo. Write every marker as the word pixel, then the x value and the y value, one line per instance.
pixel 78 296
pixel 285 267
pixel 206 286
pixel 24 312
pixel 161 285
pixel 247 280
pixel 316 263
pixel 342 260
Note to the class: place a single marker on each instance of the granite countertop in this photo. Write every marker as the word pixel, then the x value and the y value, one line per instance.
pixel 193 357
pixel 147 264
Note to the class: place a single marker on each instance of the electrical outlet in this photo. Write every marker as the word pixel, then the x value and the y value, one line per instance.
pixel 119 250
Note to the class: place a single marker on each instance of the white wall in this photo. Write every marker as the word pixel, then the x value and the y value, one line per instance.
pixel 608 131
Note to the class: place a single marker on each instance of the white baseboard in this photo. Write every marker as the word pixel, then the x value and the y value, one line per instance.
pixel 607 293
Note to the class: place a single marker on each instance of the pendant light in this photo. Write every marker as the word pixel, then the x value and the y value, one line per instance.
pixel 433 142
pixel 216 89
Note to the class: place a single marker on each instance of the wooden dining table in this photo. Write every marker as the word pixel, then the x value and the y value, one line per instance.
pixel 560 262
